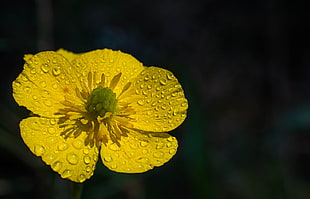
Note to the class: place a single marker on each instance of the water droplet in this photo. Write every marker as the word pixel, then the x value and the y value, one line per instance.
pixel 27 89
pixel 66 173
pixel 45 68
pixel 48 103
pixel 143 160
pixel 43 83
pixel 56 71
pixel 163 82
pixel 146 78
pixel 33 71
pixel 172 151
pixel 72 158
pixel 34 97
pixel 95 157
pixel 108 159
pixel 164 107
pixel 39 150
pixel 170 76
pixel 140 102
pixel 88 169
pixel 149 87
pixel 55 86
pixel 51 130
pixel 86 151
pixel 62 146
pixel 52 121
pixel 169 145
pixel 87 159
pixel 143 143
pixel 78 144
pixel 113 147
pixel 56 166
pixel 82 177
pixel 158 154
pixel 159 146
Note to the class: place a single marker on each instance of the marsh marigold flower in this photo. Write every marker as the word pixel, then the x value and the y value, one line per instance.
pixel 100 102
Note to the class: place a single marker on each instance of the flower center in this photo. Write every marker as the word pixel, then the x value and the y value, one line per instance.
pixel 101 102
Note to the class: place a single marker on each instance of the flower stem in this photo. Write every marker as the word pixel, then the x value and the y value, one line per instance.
pixel 76 190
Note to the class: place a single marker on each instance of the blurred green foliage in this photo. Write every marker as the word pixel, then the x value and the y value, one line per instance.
pixel 245 71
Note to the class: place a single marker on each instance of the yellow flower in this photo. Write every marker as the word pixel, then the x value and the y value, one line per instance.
pixel 101 101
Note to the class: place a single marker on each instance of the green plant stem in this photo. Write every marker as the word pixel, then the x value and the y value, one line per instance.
pixel 76 190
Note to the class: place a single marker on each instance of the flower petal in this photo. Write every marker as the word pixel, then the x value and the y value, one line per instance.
pixel 110 63
pixel 45 81
pixel 158 101
pixel 69 157
pixel 139 152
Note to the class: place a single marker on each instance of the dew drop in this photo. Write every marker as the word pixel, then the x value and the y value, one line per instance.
pixel 66 173
pixel 55 86
pixel 159 146
pixel 39 150
pixel 34 97
pixel 45 68
pixel 162 82
pixel 86 151
pixel 170 76
pixel 88 169
pixel 51 130
pixel 140 102
pixel 87 159
pixel 62 146
pixel 144 143
pixel 143 160
pixel 108 159
pixel 78 144
pixel 158 154
pixel 33 71
pixel 27 89
pixel 72 158
pixel 146 78
pixel 52 121
pixel 113 147
pixel 56 166
pixel 82 177
pixel 56 71
pixel 172 151
pixel 48 103
pixel 43 83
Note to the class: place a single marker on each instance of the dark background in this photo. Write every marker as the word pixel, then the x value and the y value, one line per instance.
pixel 244 66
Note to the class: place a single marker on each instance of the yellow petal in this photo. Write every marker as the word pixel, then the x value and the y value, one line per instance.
pixel 138 152
pixel 69 157
pixel 158 101
pixel 45 81
pixel 110 63
pixel 67 54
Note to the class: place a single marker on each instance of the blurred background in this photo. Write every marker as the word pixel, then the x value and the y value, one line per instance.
pixel 245 69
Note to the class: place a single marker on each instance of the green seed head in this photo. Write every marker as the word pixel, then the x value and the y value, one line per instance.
pixel 101 101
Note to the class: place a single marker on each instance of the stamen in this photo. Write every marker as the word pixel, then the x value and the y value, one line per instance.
pixel 102 80
pixel 89 78
pixel 126 87
pixel 115 81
